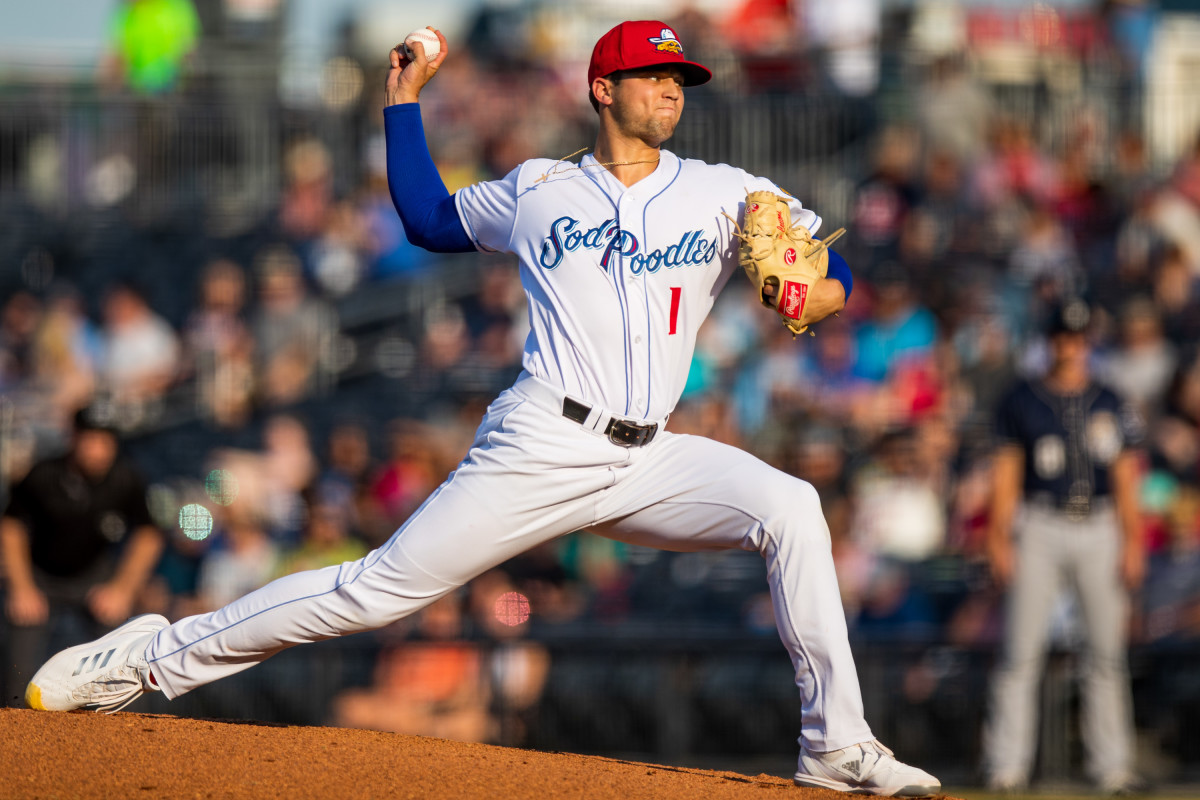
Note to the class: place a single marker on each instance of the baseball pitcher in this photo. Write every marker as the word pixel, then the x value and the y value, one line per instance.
pixel 621 256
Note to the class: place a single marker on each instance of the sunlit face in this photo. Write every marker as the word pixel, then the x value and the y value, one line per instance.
pixel 95 452
pixel 1070 349
pixel 646 103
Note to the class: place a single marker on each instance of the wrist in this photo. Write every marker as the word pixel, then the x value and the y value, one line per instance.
pixel 121 584
pixel 400 98
pixel 23 586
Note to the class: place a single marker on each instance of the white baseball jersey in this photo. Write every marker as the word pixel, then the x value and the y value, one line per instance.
pixel 619 279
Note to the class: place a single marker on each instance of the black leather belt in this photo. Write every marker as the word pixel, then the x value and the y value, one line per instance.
pixel 1073 507
pixel 618 431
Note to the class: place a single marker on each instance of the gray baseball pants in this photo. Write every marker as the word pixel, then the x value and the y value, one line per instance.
pixel 1054 552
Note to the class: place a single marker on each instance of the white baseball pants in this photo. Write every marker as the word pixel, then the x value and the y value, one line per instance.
pixel 533 475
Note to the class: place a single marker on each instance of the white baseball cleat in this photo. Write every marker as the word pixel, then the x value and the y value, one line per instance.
pixel 864 768
pixel 105 675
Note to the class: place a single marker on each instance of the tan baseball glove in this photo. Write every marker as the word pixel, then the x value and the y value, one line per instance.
pixel 776 253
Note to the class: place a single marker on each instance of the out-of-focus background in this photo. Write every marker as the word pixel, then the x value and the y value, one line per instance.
pixel 196 236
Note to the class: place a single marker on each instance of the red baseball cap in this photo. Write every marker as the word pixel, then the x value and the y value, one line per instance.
pixel 643 43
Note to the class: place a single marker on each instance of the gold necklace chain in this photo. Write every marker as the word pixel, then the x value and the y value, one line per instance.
pixel 555 170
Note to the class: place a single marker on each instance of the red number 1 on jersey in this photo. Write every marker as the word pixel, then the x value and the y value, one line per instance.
pixel 676 292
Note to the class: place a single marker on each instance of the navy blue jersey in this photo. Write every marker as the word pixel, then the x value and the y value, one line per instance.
pixel 1069 441
pixel 72 520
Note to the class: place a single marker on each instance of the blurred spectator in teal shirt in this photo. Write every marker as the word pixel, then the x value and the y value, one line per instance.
pixel 899 328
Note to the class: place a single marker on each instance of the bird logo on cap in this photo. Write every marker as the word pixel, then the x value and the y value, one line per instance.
pixel 666 41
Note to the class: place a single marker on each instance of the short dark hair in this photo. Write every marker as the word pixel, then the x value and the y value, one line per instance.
pixel 95 417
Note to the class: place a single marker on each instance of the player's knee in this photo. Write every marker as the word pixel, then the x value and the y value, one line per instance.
pixel 795 514
pixel 1106 664
pixel 797 500
pixel 357 606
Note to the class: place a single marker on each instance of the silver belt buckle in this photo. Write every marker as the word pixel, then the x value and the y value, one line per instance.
pixel 630 434
pixel 1078 508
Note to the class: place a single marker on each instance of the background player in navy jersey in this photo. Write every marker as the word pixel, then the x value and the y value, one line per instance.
pixel 1064 515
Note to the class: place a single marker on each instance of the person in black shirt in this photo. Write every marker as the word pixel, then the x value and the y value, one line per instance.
pixel 1064 514
pixel 77 544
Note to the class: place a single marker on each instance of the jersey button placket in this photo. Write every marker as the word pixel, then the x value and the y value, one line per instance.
pixel 639 324
pixel 628 209
pixel 623 212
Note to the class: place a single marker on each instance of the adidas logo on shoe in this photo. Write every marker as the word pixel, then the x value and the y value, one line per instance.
pixel 96 663
pixel 864 768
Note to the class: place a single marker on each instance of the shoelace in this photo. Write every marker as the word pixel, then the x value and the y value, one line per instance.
pixel 116 706
pixel 878 745
pixel 109 700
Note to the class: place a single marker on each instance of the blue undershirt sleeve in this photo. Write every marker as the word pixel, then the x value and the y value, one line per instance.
pixel 425 206
pixel 839 270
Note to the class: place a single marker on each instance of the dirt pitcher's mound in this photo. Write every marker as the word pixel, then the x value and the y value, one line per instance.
pixel 86 755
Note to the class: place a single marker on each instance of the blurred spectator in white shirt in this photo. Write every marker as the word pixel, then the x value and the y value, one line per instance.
pixel 140 352
pixel 1141 367
pixel 898 512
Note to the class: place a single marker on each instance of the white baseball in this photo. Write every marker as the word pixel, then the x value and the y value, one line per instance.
pixel 427 38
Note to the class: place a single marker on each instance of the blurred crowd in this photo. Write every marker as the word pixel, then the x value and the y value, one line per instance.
pixel 249 375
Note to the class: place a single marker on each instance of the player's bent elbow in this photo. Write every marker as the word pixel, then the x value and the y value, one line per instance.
pixel 418 239
pixel 436 229
pixel 430 241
